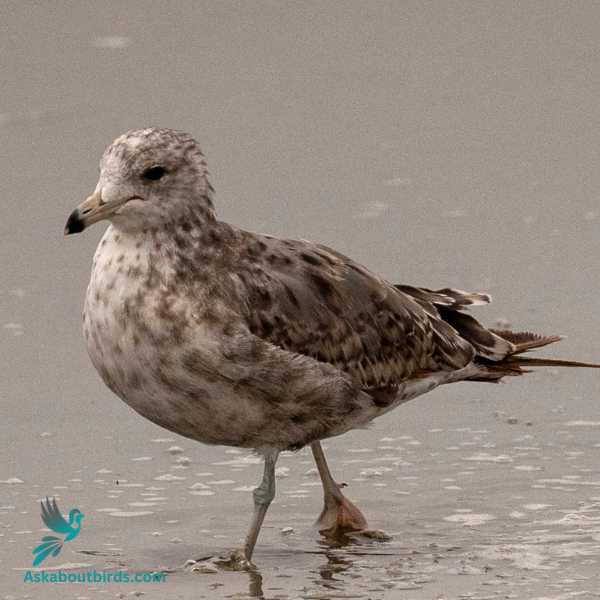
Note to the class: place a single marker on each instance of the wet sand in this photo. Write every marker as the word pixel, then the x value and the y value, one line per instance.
pixel 439 145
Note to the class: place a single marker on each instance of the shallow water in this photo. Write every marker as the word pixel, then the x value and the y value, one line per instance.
pixel 512 510
pixel 438 144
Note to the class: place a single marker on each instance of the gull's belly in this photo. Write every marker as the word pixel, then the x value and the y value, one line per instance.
pixel 150 349
pixel 168 383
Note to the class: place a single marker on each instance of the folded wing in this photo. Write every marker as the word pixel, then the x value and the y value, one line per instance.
pixel 313 301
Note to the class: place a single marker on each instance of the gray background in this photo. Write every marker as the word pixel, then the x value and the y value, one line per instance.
pixel 439 143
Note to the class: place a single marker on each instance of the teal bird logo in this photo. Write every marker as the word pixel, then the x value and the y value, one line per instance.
pixel 52 545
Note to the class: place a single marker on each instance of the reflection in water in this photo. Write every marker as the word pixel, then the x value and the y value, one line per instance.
pixel 336 564
pixel 255 584
pixel 325 576
pixel 371 540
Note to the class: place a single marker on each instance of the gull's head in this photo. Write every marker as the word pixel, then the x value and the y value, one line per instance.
pixel 149 178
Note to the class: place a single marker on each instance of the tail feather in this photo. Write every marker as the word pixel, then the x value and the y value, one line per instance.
pixel 525 340
pixel 498 351
pixel 514 364
pixel 522 361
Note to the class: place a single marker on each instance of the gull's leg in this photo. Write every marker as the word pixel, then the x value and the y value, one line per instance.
pixel 339 515
pixel 241 560
pixel 263 496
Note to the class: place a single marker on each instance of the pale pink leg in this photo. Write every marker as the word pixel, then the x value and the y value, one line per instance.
pixel 339 515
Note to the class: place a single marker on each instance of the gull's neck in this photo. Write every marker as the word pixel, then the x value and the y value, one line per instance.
pixel 186 244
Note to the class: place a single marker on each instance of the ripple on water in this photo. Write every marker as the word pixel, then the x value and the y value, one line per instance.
pixel 130 513
pixel 169 477
pixel 536 506
pixel 485 457
pixel 470 519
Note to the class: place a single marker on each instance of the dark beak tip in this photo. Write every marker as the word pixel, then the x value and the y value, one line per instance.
pixel 74 223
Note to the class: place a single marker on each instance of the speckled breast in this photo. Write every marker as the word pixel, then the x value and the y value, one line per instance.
pixel 149 348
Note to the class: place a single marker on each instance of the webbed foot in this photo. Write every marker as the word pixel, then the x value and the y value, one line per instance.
pixel 234 560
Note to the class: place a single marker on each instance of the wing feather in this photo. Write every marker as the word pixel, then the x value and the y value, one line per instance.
pixel 311 300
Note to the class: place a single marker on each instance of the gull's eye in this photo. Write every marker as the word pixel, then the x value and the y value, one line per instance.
pixel 154 173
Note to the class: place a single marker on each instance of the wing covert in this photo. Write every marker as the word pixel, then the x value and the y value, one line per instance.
pixel 309 299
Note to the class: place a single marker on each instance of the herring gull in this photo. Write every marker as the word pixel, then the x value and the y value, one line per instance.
pixel 242 339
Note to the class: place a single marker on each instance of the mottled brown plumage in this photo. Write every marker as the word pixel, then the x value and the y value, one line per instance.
pixel 309 300
pixel 189 319
pixel 236 338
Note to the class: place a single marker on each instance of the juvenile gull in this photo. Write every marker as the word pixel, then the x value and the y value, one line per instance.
pixel 236 338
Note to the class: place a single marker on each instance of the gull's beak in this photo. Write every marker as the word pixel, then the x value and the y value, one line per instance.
pixel 90 211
